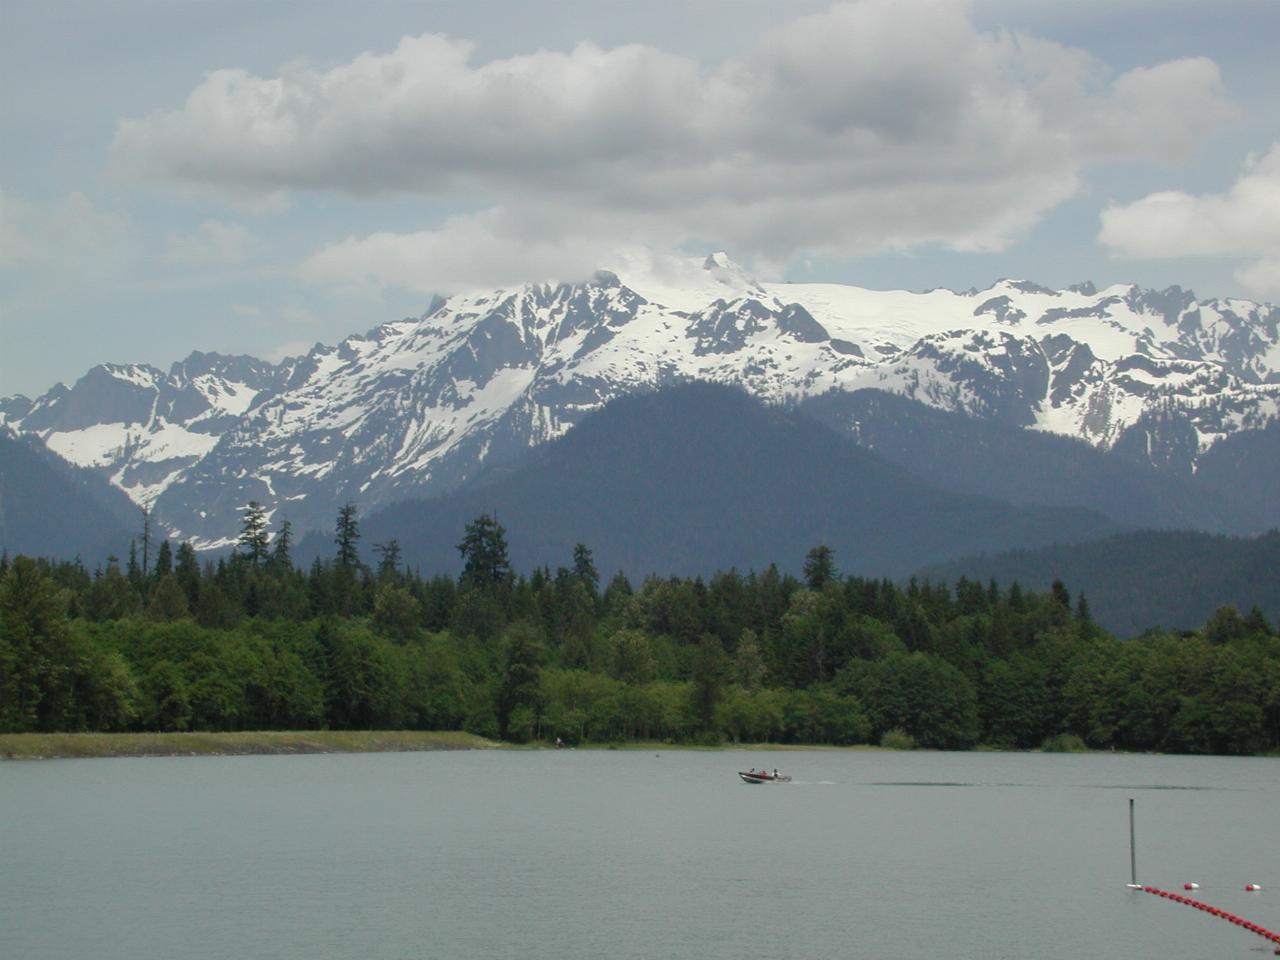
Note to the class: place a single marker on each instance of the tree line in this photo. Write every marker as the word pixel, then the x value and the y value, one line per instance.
pixel 251 641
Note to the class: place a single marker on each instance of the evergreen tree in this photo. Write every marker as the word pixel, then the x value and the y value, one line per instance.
pixel 389 560
pixel 168 601
pixel 111 596
pixel 134 572
pixel 617 595
pixel 484 554
pixel 1255 624
pixel 347 533
pixel 146 539
pixel 280 557
pixel 819 568
pixel 164 560
pixel 585 569
pixel 187 570
pixel 253 532
pixel 1083 616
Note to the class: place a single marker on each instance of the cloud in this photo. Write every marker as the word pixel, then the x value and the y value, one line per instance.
pixel 1243 223
pixel 215 242
pixel 491 248
pixel 876 125
pixel 72 231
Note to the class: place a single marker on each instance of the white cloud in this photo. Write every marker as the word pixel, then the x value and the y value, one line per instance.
pixel 72 231
pixel 215 242
pixel 1242 223
pixel 490 248
pixel 876 125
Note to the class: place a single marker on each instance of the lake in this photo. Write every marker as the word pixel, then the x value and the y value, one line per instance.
pixel 633 854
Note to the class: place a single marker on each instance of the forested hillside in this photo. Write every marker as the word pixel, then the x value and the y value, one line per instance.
pixel 50 507
pixel 251 642
pixel 995 459
pixel 1173 579
pixel 702 477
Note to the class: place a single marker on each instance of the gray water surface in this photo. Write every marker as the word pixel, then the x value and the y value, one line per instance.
pixel 632 854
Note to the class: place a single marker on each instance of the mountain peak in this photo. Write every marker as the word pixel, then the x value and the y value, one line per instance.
pixel 417 406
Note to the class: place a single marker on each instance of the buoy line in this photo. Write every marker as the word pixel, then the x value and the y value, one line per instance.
pixel 1218 912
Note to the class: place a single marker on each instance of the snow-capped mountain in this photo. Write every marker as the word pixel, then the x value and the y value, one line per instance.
pixel 416 406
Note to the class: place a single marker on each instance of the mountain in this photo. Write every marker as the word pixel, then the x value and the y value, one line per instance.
pixel 1247 464
pixel 1031 467
pixel 140 428
pixel 49 508
pixel 701 477
pixel 1137 580
pixel 419 406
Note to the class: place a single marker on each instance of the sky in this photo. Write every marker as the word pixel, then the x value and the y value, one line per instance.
pixel 256 177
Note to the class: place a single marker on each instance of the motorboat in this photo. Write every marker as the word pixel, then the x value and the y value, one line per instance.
pixel 763 776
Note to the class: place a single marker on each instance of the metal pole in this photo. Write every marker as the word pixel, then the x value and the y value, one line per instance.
pixel 1133 853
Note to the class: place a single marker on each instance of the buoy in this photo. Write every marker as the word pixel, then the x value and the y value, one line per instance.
pixel 1191 886
pixel 1253 887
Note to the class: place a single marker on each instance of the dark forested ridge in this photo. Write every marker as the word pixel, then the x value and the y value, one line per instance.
pixel 50 507
pixel 252 642
pixel 1173 579
pixel 994 458
pixel 702 477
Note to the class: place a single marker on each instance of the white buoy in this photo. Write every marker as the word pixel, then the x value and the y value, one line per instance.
pixel 1191 886
pixel 1253 887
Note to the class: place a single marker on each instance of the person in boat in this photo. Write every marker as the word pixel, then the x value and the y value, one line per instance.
pixel 775 773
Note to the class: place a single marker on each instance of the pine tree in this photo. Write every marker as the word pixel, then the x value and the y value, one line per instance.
pixel 484 554
pixel 584 569
pixel 146 539
pixel 253 532
pixel 280 556
pixel 1083 614
pixel 164 560
pixel 187 570
pixel 348 532
pixel 819 567
pixel 133 571
pixel 388 560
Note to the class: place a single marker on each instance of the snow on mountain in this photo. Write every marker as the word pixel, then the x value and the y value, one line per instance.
pixel 416 406
pixel 143 428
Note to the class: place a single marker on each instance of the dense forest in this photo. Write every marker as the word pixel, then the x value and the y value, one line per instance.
pixel 163 641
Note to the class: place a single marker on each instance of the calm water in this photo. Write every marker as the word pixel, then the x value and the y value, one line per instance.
pixel 592 854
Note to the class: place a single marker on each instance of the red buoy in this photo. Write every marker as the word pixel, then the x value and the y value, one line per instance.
pixel 1218 912
pixel 1253 887
pixel 1191 886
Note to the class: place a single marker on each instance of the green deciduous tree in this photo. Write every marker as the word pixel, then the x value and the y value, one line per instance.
pixel 518 677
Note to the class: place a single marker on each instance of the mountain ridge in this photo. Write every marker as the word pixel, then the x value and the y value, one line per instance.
pixel 703 477
pixel 419 406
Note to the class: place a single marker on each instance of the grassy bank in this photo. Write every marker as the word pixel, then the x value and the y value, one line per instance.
pixel 34 746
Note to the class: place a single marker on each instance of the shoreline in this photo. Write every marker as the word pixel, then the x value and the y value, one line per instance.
pixel 71 746
pixel 66 746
